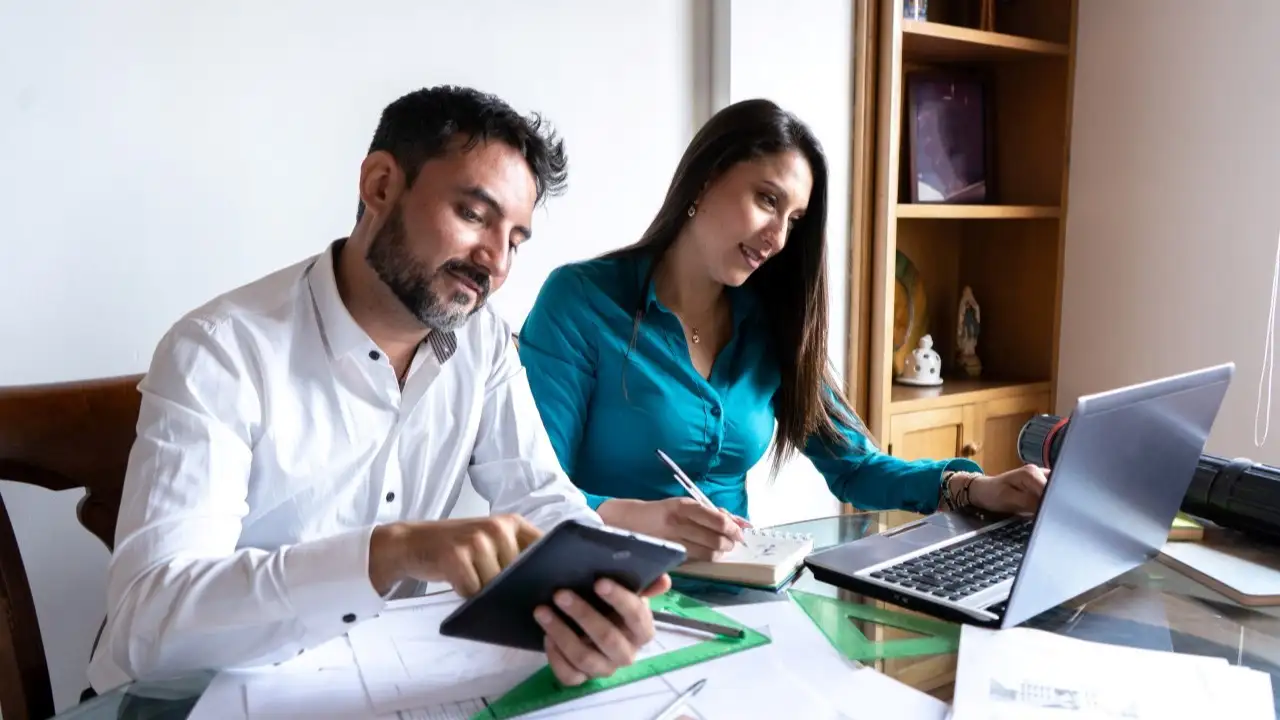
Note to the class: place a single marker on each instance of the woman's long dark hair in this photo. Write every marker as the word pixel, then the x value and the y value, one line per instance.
pixel 792 285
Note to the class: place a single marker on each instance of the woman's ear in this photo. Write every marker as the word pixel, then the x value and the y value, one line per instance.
pixel 697 199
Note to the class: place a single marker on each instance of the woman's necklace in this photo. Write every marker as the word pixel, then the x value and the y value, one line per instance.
pixel 694 335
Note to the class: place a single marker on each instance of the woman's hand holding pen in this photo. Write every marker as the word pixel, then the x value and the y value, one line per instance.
pixel 705 533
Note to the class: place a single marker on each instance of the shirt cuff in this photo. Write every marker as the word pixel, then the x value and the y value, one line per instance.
pixel 962 465
pixel 327 582
pixel 956 465
pixel 927 482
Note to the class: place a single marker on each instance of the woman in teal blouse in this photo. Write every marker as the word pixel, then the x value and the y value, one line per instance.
pixel 706 333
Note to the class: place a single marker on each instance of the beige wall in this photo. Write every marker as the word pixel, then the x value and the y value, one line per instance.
pixel 1174 203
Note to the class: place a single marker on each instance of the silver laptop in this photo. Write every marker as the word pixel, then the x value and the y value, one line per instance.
pixel 1124 466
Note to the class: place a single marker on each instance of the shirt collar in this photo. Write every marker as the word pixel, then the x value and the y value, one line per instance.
pixel 743 298
pixel 342 334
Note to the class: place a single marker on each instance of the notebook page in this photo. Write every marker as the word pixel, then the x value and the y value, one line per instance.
pixel 765 547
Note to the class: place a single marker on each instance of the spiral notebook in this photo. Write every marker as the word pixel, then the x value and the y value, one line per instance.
pixel 768 559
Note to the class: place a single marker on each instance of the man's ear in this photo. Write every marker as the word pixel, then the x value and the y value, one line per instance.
pixel 381 182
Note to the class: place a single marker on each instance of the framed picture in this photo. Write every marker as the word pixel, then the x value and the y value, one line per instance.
pixel 948 138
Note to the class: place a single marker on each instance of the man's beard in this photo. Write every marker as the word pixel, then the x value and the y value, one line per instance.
pixel 410 280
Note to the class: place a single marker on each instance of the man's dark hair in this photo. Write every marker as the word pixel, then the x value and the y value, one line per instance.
pixel 420 126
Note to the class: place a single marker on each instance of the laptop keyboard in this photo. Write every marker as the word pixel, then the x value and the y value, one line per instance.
pixel 957 571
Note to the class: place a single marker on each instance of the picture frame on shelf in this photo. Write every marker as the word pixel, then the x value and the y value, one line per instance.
pixel 950 157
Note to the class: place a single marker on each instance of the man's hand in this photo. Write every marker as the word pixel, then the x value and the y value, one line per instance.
pixel 1012 492
pixel 608 644
pixel 704 533
pixel 465 553
pixel 469 553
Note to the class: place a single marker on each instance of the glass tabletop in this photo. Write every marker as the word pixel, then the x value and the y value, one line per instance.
pixel 1150 607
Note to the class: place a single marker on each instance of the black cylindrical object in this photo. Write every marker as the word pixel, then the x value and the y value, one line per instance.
pixel 1040 439
pixel 1238 494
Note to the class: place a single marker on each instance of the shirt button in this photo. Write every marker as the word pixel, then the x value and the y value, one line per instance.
pixel 349 618
pixel 391 496
pixel 375 355
pixel 715 412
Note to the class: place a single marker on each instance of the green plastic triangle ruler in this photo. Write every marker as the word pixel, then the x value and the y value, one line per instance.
pixel 835 618
pixel 542 690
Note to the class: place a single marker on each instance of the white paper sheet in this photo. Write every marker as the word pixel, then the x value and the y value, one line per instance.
pixel 224 699
pixel 1242 693
pixel 406 664
pixel 332 694
pixel 1031 674
pixel 798 675
pixel 402 661
pixel 751 683
pixel 860 693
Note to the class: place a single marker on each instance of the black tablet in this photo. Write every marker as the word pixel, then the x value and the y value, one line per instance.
pixel 573 556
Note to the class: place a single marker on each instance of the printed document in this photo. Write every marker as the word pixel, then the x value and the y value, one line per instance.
pixel 1028 674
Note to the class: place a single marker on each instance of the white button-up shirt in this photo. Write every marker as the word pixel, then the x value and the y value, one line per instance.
pixel 273 437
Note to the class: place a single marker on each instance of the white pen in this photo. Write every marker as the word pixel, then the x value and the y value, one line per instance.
pixel 668 711
pixel 690 488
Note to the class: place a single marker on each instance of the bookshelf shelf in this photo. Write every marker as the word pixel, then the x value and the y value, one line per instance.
pixel 928 211
pixel 931 41
pixel 957 391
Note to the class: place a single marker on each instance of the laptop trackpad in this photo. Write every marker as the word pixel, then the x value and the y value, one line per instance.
pixel 922 535
pixel 895 542
pixel 934 529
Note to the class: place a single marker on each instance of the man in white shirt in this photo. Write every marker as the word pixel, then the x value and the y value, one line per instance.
pixel 302 437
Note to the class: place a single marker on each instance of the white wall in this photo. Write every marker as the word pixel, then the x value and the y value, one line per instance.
pixel 802 59
pixel 1173 214
pixel 155 154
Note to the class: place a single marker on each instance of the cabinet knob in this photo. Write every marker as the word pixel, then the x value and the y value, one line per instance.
pixel 970 449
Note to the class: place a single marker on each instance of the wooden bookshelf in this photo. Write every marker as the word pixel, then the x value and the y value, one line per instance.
pixel 1007 246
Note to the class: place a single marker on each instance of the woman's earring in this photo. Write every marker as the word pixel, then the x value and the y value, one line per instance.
pixel 693 209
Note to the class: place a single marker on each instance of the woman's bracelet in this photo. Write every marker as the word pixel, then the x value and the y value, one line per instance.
pixel 945 500
pixel 957 500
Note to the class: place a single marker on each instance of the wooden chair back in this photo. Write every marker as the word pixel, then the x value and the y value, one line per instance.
pixel 59 436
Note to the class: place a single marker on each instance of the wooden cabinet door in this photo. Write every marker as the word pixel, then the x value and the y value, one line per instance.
pixel 931 434
pixel 936 434
pixel 998 424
